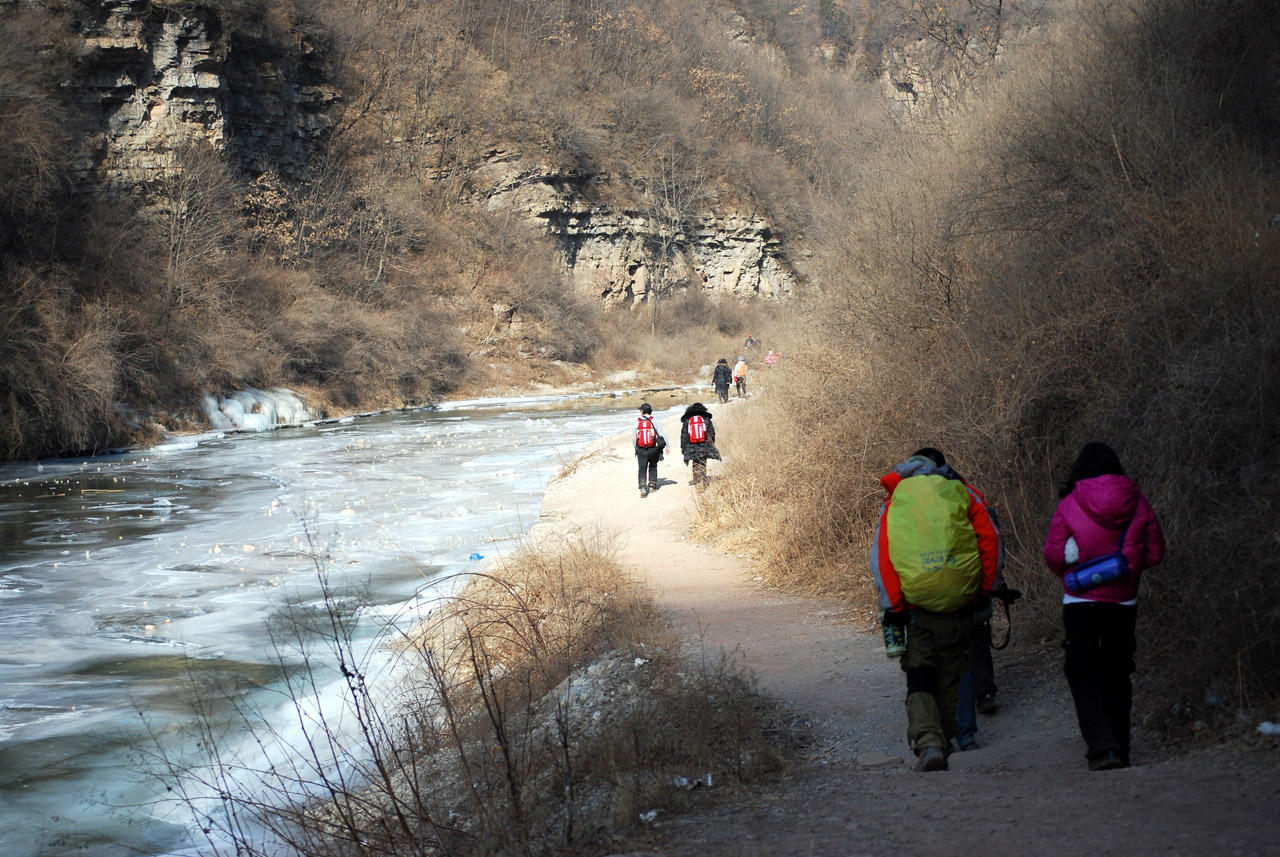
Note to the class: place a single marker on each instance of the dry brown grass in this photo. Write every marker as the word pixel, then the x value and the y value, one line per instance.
pixel 1084 254
pixel 538 710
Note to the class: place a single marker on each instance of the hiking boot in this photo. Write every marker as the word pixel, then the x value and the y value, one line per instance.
pixel 1108 761
pixel 932 759
pixel 987 704
pixel 644 491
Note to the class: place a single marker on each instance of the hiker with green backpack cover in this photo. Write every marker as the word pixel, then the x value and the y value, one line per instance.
pixel 934 561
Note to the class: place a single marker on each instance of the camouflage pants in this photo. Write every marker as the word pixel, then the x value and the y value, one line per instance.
pixel 937 656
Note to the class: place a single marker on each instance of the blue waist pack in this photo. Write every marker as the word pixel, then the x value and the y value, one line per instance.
pixel 1099 570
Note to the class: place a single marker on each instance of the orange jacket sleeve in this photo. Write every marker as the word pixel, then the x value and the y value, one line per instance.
pixel 988 541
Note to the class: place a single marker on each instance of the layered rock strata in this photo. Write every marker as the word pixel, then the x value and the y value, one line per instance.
pixel 159 79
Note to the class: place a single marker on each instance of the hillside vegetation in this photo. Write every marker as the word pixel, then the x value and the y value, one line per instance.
pixel 1087 250
pixel 374 276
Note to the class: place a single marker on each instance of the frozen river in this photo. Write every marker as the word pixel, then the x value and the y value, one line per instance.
pixel 119 574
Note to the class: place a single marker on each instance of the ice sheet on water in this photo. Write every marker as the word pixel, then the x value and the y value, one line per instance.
pixel 409 476
pixel 175 446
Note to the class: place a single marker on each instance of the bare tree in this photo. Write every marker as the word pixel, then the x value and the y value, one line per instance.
pixel 675 192
pixel 196 211
pixel 965 35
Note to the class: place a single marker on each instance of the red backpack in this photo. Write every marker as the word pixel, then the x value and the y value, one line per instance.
pixel 697 430
pixel 646 437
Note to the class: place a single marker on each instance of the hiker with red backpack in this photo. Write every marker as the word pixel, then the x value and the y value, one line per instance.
pixel 698 441
pixel 934 559
pixel 649 444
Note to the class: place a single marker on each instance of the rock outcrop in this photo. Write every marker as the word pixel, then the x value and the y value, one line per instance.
pixel 160 79
pixel 609 251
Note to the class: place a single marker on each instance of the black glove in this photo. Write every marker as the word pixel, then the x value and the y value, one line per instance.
pixel 1007 595
pixel 899 618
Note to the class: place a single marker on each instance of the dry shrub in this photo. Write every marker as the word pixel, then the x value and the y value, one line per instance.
pixel 692 332
pixel 60 367
pixel 1083 254
pixel 538 710
pixel 561 658
pixel 36 124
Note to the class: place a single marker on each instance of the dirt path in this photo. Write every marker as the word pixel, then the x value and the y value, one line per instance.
pixel 1024 790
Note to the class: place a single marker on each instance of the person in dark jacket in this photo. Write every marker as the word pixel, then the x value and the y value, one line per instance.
pixel 1102 511
pixel 722 378
pixel 698 453
pixel 647 458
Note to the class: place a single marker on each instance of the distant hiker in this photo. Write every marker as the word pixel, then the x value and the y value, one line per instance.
pixel 740 376
pixel 649 443
pixel 934 560
pixel 722 378
pixel 770 358
pixel 698 441
pixel 751 341
pixel 1102 521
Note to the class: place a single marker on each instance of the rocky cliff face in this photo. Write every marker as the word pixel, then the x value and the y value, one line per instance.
pixel 609 252
pixel 159 79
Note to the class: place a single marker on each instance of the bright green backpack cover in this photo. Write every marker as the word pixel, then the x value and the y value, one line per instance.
pixel 932 544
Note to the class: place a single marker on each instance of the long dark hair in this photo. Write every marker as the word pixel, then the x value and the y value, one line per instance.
pixel 1095 459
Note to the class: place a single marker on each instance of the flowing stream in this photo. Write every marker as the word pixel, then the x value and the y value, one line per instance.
pixel 120 574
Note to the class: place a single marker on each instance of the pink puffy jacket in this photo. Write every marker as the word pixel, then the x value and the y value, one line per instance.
pixel 1095 513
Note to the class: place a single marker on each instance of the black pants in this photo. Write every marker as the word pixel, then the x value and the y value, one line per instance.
pixel 647 459
pixel 700 471
pixel 723 393
pixel 1100 642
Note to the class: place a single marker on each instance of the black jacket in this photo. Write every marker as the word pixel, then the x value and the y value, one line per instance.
pixel 698 451
pixel 723 376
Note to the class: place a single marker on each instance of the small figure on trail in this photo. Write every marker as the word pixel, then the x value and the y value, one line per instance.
pixel 770 358
pixel 751 341
pixel 740 376
pixel 934 560
pixel 649 443
pixel 1103 534
pixel 722 377
pixel 698 441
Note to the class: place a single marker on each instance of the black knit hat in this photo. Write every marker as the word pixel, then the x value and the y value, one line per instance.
pixel 646 408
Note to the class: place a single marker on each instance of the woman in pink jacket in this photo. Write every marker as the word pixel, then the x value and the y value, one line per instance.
pixel 1100 507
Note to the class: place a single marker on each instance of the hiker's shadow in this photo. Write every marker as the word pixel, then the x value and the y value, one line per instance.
pixel 662 481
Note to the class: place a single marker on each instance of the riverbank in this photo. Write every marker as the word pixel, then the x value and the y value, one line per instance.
pixel 1024 789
